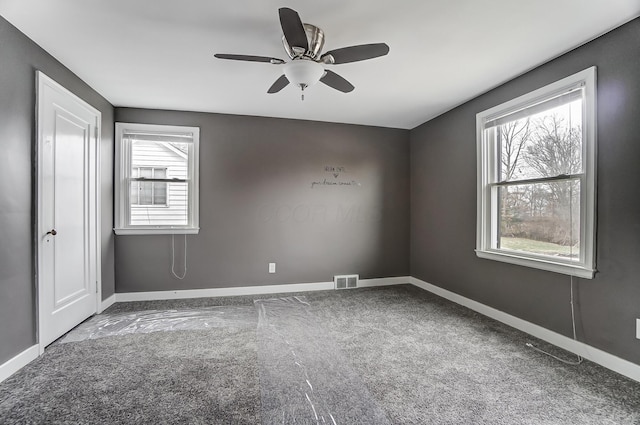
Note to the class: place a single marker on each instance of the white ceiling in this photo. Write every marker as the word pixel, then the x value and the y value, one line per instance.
pixel 159 53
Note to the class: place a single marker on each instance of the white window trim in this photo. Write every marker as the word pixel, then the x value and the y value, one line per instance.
pixel 586 267
pixel 122 192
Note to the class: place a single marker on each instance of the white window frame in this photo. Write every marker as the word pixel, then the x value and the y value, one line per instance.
pixel 123 178
pixel 487 214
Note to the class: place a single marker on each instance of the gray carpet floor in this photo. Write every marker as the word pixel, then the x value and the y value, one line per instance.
pixel 420 359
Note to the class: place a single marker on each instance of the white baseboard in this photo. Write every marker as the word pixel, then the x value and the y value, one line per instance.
pixel 249 290
pixel 13 365
pixel 621 366
pixel 107 303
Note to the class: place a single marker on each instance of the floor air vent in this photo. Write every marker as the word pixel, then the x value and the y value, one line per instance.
pixel 346 281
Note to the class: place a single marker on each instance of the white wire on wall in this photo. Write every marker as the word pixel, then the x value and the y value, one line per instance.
pixel 173 257
pixel 575 337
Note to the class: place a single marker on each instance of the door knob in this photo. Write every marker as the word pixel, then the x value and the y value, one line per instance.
pixel 52 232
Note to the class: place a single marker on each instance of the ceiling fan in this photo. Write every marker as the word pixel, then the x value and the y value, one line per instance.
pixel 303 44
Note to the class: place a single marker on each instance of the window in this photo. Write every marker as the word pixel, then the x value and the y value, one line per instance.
pixel 536 178
pixel 148 192
pixel 157 179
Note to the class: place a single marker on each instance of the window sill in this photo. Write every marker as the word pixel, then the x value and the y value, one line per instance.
pixel 158 231
pixel 538 263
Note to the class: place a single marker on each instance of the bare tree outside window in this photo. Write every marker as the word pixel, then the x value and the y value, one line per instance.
pixel 512 138
pixel 541 216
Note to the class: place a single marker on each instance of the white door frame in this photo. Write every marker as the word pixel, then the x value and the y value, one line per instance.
pixel 43 80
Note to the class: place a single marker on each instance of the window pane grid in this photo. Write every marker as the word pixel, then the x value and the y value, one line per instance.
pixel 540 218
pixel 145 190
pixel 538 153
pixel 546 144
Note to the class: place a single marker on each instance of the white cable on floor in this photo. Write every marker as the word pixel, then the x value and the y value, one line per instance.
pixel 173 257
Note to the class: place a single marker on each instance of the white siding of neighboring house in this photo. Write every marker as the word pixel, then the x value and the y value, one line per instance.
pixel 158 155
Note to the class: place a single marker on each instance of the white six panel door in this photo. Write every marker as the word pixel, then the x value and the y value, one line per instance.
pixel 67 211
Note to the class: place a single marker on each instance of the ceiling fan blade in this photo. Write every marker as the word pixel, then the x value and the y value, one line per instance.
pixel 249 58
pixel 337 82
pixel 293 29
pixel 280 83
pixel 355 53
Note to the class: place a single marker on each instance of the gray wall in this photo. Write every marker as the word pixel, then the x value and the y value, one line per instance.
pixel 19 60
pixel 443 205
pixel 257 205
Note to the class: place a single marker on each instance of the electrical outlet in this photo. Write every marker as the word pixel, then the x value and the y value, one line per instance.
pixel 272 267
pixel 638 328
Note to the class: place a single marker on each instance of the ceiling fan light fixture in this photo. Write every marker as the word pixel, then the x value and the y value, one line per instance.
pixel 303 43
pixel 303 73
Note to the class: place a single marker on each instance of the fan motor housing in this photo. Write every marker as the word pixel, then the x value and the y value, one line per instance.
pixel 315 38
